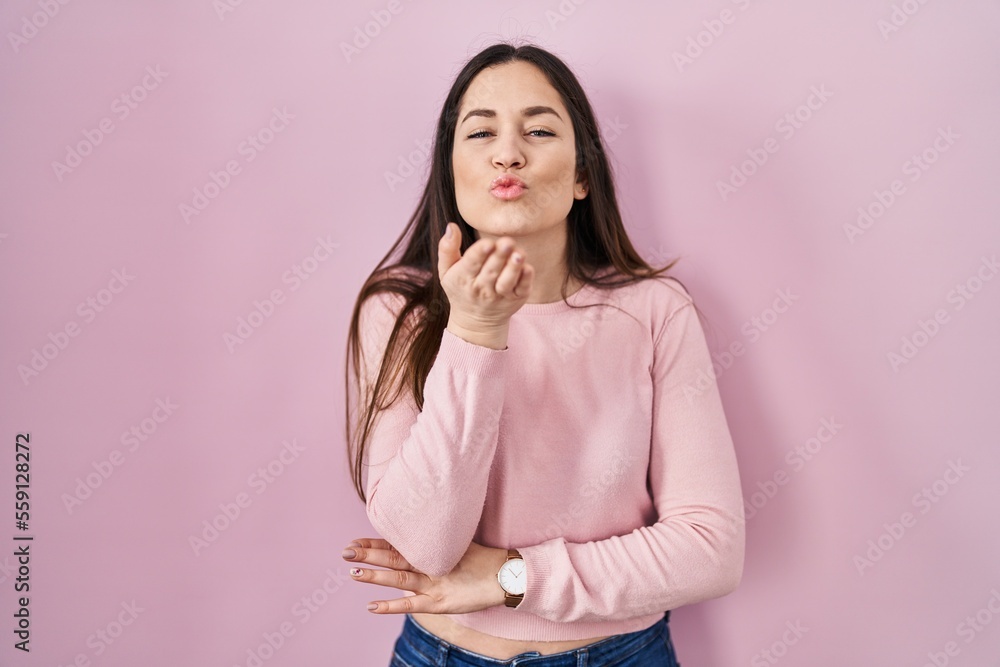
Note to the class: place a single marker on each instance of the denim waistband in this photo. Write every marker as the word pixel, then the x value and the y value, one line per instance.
pixel 621 645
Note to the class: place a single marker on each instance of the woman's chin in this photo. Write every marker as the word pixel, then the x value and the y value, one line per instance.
pixel 507 224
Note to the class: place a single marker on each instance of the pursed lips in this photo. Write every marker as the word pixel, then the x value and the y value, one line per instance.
pixel 507 181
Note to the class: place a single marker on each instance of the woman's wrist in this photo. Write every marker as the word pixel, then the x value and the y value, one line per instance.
pixel 492 337
pixel 497 558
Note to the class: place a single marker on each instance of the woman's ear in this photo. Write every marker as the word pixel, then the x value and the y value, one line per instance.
pixel 580 188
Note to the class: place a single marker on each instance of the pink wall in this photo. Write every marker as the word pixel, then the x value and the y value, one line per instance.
pixel 845 453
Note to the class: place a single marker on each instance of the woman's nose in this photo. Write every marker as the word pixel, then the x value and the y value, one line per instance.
pixel 508 153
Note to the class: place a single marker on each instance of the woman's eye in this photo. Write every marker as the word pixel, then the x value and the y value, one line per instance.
pixel 483 133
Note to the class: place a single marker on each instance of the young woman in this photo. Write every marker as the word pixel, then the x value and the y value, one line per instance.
pixel 533 421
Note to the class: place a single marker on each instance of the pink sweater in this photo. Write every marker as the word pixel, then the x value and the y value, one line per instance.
pixel 595 443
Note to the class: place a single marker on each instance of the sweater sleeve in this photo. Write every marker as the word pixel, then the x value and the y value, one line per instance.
pixel 695 549
pixel 427 469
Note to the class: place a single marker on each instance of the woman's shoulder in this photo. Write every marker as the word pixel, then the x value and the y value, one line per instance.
pixel 671 287
pixel 660 295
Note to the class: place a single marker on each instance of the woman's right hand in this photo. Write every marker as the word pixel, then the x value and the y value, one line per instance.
pixel 485 286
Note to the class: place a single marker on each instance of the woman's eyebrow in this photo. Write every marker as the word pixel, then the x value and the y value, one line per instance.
pixel 527 111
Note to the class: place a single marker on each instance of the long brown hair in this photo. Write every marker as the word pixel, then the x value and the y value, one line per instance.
pixel 596 240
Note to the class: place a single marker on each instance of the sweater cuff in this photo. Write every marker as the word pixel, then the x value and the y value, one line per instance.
pixel 538 570
pixel 475 359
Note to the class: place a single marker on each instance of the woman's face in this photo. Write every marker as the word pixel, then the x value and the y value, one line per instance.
pixel 512 121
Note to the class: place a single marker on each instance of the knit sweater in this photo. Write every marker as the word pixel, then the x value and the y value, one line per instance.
pixel 594 443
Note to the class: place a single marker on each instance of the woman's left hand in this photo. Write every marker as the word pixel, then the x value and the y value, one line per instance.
pixel 472 584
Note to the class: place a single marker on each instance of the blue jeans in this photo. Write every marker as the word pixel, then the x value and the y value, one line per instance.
pixel 416 647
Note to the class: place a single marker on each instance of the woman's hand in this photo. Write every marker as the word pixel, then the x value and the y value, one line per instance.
pixel 485 286
pixel 472 584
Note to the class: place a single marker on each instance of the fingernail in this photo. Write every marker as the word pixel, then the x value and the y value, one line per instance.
pixel 355 571
pixel 372 606
pixel 354 543
pixel 517 257
pixel 348 553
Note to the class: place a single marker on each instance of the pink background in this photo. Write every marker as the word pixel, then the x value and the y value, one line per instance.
pixel 315 195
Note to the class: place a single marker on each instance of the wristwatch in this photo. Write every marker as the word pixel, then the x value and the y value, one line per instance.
pixel 513 578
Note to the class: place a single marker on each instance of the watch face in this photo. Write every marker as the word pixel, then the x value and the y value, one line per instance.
pixel 513 577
